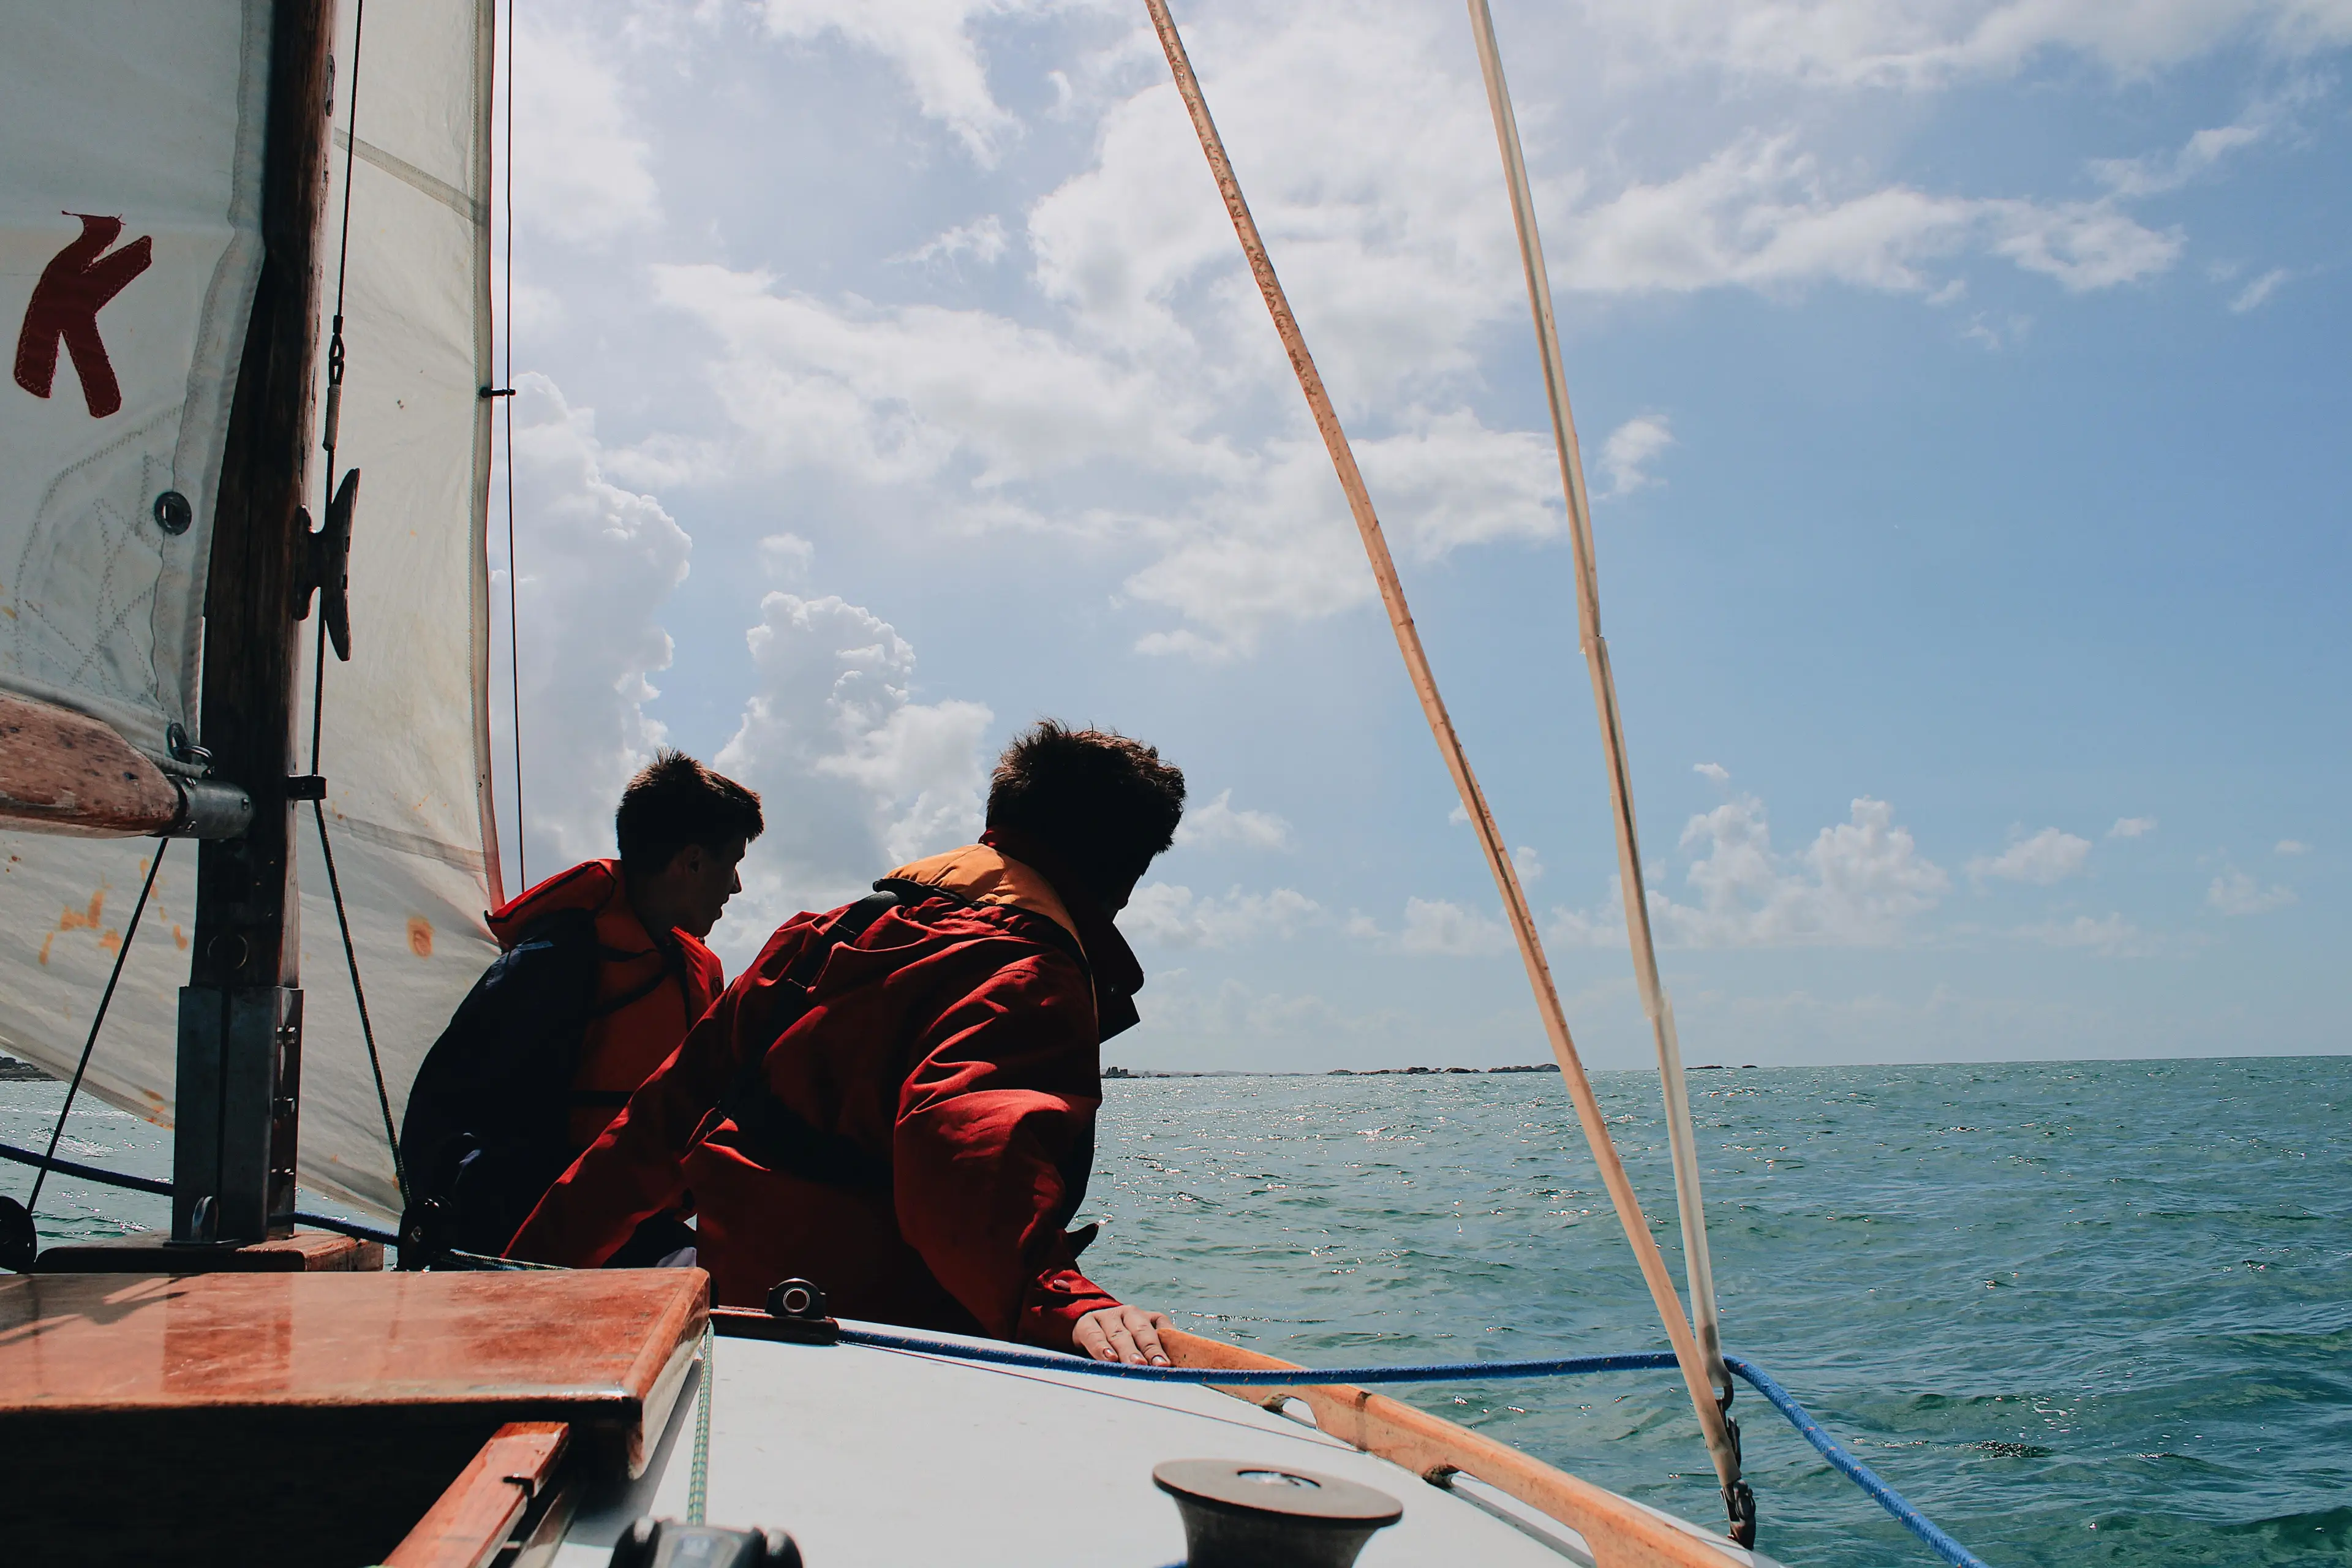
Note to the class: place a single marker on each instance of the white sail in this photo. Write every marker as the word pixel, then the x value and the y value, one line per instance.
pixel 149 117
pixel 405 742
pixel 129 245
pixel 405 745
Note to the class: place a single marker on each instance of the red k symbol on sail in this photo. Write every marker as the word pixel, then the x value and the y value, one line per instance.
pixel 74 287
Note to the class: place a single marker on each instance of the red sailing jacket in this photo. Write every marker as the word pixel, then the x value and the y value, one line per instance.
pixel 952 1048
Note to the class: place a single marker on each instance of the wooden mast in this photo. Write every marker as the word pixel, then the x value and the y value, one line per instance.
pixel 240 1033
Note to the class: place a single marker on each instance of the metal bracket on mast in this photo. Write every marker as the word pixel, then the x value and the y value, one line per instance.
pixel 233 1162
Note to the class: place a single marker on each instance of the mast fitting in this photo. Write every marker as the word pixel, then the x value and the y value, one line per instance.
pixel 325 562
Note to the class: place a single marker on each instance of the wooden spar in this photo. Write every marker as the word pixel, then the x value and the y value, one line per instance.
pixel 63 772
pixel 239 1072
pixel 1457 762
pixel 1621 1534
pixel 1697 1265
pixel 66 773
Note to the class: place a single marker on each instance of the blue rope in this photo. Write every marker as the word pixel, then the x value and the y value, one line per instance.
pixel 1435 1371
pixel 1853 1469
pixel 1780 1399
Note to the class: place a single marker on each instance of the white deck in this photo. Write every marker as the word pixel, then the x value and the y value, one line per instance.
pixel 878 1459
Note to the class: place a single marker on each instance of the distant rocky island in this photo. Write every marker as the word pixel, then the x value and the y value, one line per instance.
pixel 1373 1072
pixel 14 1071
pixel 1335 1072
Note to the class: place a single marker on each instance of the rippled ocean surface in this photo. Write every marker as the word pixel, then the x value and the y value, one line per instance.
pixel 2080 1312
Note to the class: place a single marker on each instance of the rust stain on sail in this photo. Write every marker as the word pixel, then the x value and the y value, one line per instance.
pixel 420 936
pixel 72 918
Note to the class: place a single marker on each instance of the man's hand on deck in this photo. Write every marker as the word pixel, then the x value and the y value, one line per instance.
pixel 1123 1333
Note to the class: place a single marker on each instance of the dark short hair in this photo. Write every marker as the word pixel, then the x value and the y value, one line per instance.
pixel 674 801
pixel 1106 802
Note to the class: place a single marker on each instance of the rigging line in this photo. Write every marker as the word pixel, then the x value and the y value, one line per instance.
pixel 359 996
pixel 332 424
pixel 1698 1269
pixel 1628 1205
pixel 162 1189
pixel 335 362
pixel 506 325
pixel 105 1000
pixel 698 1484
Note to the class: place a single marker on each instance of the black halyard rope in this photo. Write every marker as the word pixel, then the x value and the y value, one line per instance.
pixel 335 362
pixel 359 996
pixel 105 1000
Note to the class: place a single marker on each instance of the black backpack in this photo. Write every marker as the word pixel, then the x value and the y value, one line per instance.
pixel 487 1131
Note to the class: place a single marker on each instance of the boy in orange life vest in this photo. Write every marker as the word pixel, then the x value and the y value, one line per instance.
pixel 603 973
pixel 898 1099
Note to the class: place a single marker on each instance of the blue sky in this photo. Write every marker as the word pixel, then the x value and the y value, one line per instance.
pixel 1962 387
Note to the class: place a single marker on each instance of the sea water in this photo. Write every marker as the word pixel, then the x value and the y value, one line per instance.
pixel 2079 1313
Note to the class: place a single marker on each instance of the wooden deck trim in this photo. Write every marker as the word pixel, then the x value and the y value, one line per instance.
pixel 469 1524
pixel 149 1252
pixel 1622 1533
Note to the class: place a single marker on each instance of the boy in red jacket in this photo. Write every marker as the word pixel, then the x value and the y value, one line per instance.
pixel 896 1101
pixel 603 972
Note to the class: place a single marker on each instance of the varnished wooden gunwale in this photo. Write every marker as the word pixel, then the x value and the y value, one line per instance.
pixel 1622 1533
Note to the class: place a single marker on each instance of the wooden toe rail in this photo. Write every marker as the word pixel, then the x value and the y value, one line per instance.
pixel 1622 1533
pixel 468 1526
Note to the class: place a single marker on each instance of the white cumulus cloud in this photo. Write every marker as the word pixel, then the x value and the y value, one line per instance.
pixel 584 169
pixel 929 43
pixel 2047 857
pixel 1629 450
pixel 597 564
pixel 2291 846
pixel 1859 883
pixel 1436 928
pixel 2110 936
pixel 983 239
pixel 1170 915
pixel 2235 893
pixel 2132 827
pixel 858 777
pixel 1859 43
pixel 1441 927
pixel 1760 213
pixel 787 557
pixel 1220 824
pixel 2254 295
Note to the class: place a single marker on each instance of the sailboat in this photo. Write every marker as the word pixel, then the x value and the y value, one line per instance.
pixel 250 241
